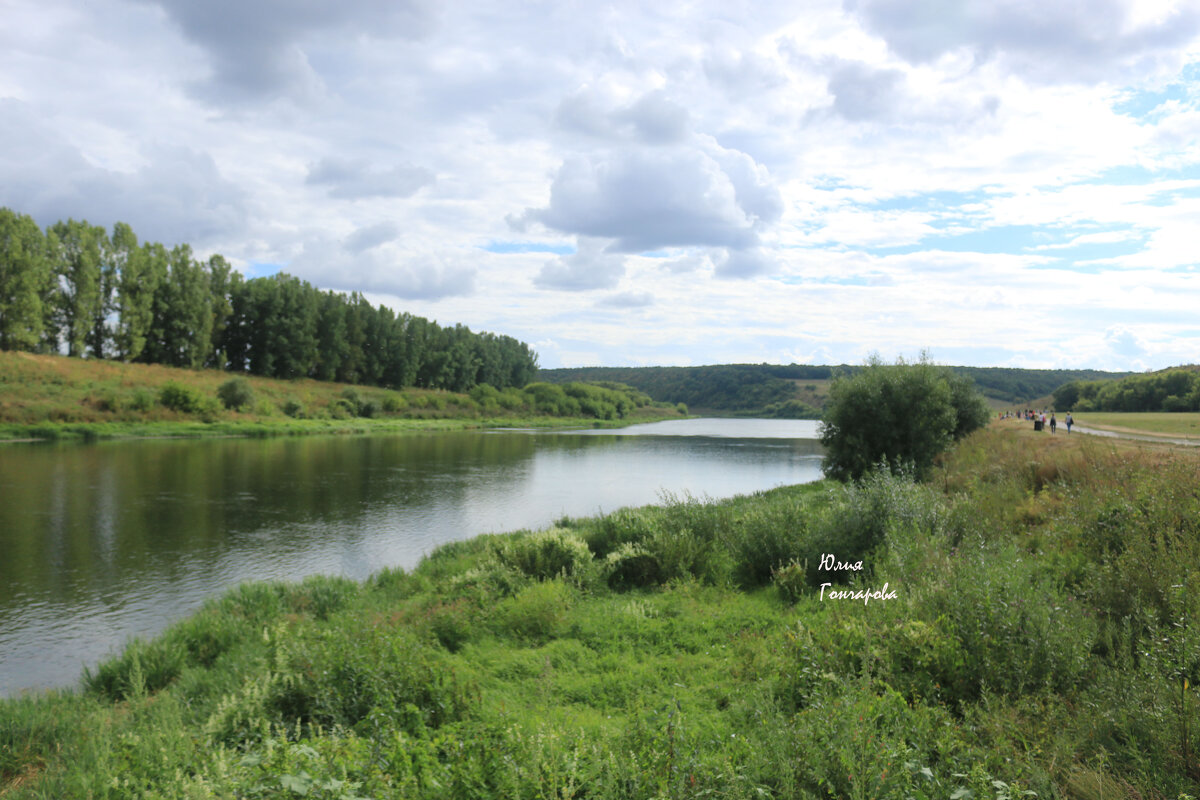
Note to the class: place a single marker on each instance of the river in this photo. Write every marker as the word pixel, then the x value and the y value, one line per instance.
pixel 103 542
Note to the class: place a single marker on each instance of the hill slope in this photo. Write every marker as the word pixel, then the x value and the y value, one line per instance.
pixel 49 396
pixel 758 388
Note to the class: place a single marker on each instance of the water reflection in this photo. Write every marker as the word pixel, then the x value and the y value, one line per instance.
pixel 104 541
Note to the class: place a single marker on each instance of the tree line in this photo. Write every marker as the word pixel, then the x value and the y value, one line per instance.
pixel 1170 390
pixel 771 389
pixel 77 288
pixel 725 387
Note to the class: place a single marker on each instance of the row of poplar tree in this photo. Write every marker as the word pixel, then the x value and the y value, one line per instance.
pixel 78 288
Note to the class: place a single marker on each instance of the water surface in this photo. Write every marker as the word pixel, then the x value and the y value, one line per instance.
pixel 106 541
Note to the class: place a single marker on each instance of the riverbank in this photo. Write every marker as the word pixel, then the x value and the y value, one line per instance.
pixel 97 431
pixel 59 398
pixel 1039 640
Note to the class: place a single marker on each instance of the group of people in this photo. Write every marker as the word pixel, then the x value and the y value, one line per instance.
pixel 1039 417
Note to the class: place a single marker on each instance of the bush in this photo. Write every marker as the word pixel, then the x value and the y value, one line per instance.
pixel 791 581
pixel 512 399
pixel 184 399
pixel 546 554
pixel 483 393
pixel 624 526
pixel 538 612
pixel 107 402
pixel 866 515
pixel 765 538
pixel 549 398
pixel 896 414
pixel 293 409
pixel 631 566
pixel 142 400
pixel 1022 631
pixel 344 675
pixel 236 393
pixel 350 400
pixel 1174 402
pixel 142 668
pixel 341 408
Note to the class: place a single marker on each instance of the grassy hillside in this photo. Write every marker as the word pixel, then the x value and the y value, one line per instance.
pixel 1043 641
pixel 54 396
pixel 800 390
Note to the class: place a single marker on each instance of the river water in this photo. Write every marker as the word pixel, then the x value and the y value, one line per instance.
pixel 106 541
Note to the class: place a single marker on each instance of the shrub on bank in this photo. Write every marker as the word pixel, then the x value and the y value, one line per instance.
pixel 236 393
pixel 631 566
pixel 547 554
pixel 185 400
pixel 537 613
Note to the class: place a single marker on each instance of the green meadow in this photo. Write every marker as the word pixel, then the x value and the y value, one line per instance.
pixel 1042 642
pixel 53 397
pixel 1163 423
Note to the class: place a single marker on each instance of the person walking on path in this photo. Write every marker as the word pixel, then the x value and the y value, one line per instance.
pixel 1070 422
pixel 1053 423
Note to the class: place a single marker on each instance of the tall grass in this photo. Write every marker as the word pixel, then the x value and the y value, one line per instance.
pixel 54 397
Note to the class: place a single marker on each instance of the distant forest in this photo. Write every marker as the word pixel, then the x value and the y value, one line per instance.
pixel 1169 390
pixel 780 390
pixel 78 288
pixel 745 388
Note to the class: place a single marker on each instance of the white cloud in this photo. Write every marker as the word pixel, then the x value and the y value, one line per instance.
pixel 367 262
pixel 740 186
pixel 590 267
pixel 176 195
pixel 261 50
pixel 647 200
pixel 352 179
pixel 627 300
pixel 1049 42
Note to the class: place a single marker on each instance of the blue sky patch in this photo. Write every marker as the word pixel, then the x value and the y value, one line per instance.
pixel 928 201
pixel 262 269
pixel 529 247
pixel 1139 104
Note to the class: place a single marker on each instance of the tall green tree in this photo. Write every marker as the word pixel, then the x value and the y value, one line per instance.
pixel 181 330
pixel 358 311
pixel 136 283
pixel 295 333
pixel 100 337
pixel 107 296
pixel 222 280
pixel 25 275
pixel 149 305
pixel 77 257
pixel 332 344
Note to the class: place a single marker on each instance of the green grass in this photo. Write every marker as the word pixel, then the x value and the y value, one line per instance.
pixel 59 398
pixel 1044 640
pixel 1184 424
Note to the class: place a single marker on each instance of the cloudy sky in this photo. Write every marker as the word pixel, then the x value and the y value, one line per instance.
pixel 1003 182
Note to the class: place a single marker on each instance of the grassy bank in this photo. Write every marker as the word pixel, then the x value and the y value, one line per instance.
pixel 53 397
pixel 92 431
pixel 1043 639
